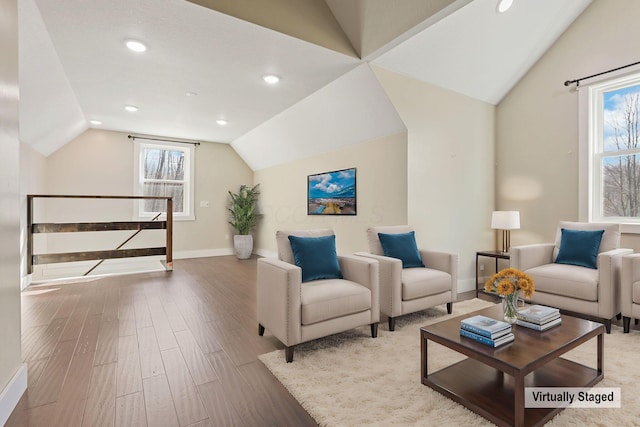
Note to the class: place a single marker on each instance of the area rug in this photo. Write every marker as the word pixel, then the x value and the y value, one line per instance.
pixel 350 379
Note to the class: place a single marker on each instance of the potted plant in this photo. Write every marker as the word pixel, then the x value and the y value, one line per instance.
pixel 243 216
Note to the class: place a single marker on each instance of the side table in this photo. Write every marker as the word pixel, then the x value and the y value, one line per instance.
pixel 497 255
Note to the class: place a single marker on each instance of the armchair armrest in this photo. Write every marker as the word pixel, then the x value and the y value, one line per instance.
pixel 390 275
pixel 609 266
pixel 278 296
pixel 364 271
pixel 629 275
pixel 443 261
pixel 529 256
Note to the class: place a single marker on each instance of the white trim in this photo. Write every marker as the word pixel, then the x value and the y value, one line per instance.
pixel 10 396
pixel 202 253
pixel 265 253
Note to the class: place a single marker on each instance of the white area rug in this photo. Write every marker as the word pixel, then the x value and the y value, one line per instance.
pixel 350 379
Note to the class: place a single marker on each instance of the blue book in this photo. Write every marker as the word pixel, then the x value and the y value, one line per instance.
pixel 486 326
pixel 484 340
pixel 493 336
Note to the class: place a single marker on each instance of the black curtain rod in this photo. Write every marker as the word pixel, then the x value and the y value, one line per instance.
pixel 577 81
pixel 132 137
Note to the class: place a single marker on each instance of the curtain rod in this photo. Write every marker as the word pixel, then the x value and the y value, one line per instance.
pixel 577 81
pixel 133 137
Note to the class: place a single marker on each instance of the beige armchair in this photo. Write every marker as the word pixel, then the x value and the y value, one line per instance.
pixel 578 289
pixel 299 304
pixel 407 290
pixel 630 290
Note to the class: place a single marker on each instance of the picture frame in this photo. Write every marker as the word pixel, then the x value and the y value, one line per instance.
pixel 332 193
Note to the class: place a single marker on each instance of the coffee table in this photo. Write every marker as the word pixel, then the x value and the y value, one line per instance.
pixel 532 360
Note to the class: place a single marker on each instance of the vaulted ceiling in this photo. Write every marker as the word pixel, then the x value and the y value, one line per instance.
pixel 205 60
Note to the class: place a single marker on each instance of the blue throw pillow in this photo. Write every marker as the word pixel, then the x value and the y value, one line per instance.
pixel 316 256
pixel 579 247
pixel 402 246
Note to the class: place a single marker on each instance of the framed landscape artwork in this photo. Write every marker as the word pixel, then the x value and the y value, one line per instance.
pixel 332 193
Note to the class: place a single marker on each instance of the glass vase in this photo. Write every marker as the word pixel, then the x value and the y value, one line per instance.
pixel 510 308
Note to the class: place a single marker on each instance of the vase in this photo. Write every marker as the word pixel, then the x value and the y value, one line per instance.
pixel 509 308
pixel 243 245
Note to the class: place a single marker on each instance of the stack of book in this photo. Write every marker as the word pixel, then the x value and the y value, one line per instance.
pixel 486 330
pixel 538 317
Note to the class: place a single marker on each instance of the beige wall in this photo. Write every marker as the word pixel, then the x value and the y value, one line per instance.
pixel 10 351
pixel 537 122
pixel 381 192
pixel 450 168
pixel 101 162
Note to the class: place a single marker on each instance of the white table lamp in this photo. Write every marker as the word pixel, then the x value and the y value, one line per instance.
pixel 505 221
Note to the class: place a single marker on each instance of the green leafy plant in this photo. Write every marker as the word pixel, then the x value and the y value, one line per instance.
pixel 242 208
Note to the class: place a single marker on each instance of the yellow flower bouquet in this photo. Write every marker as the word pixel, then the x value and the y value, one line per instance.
pixel 508 283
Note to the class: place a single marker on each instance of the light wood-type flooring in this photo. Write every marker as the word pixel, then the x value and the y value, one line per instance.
pixel 152 349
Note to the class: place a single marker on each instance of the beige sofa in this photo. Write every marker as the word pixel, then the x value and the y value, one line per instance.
pixel 592 293
pixel 296 312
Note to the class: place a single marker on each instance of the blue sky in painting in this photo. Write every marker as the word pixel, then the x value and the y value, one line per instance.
pixel 340 184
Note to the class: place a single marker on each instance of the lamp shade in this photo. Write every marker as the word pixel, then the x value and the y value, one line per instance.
pixel 505 220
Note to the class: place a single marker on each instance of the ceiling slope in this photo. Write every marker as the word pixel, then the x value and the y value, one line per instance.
pixel 481 53
pixel 50 115
pixel 351 109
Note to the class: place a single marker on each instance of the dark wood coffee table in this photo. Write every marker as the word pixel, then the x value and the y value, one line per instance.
pixel 532 360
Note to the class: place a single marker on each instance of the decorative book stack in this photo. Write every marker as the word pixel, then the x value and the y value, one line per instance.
pixel 538 317
pixel 486 330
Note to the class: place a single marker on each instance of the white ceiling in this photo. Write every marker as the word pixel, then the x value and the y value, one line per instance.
pixel 74 67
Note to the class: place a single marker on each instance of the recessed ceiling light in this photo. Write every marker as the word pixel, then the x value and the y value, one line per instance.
pixel 95 122
pixel 504 5
pixel 131 108
pixel 136 46
pixel 271 79
pixel 191 94
pixel 221 122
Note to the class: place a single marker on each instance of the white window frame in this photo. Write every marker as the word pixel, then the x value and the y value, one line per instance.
pixel 189 179
pixel 590 122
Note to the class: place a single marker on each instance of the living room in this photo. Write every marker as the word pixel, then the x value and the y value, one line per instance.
pixel 445 163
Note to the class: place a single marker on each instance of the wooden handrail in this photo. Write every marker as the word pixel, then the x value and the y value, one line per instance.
pixel 99 226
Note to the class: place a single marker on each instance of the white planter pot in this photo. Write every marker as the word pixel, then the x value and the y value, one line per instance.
pixel 243 245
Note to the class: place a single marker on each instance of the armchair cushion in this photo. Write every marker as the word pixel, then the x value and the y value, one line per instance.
pixel 423 282
pixel 316 256
pixel 328 299
pixel 610 238
pixel 580 247
pixel 402 246
pixel 567 280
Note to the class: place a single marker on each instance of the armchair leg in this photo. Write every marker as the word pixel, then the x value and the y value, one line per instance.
pixel 626 322
pixel 618 316
pixel 374 330
pixel 288 353
pixel 607 325
pixel 260 329
pixel 449 307
pixel 392 324
pixel 636 321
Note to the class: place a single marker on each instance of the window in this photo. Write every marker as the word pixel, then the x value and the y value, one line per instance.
pixel 614 150
pixel 165 170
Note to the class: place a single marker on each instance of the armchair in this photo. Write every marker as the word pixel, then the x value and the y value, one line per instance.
pixel 630 290
pixel 407 290
pixel 581 277
pixel 301 299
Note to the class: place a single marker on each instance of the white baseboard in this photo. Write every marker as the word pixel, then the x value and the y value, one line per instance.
pixel 10 396
pixel 203 253
pixel 265 253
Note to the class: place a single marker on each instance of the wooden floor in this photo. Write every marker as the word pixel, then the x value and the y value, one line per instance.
pixel 155 349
